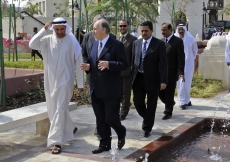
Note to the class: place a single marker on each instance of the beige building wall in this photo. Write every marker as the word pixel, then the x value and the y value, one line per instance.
pixel 227 17
pixel 193 12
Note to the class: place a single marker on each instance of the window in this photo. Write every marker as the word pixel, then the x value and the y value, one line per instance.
pixel 43 6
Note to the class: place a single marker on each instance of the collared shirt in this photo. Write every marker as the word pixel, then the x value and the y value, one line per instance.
pixel 168 39
pixel 148 41
pixel 103 42
pixel 123 36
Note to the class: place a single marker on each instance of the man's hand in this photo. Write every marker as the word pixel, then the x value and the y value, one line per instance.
pixel 228 63
pixel 102 65
pixel 85 66
pixel 163 86
pixel 47 25
pixel 182 77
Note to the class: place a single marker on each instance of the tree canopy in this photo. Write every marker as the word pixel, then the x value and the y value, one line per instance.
pixel 139 11
pixel 32 9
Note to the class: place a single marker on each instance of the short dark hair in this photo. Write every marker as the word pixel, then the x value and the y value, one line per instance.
pixel 105 24
pixel 98 17
pixel 169 25
pixel 148 23
pixel 125 20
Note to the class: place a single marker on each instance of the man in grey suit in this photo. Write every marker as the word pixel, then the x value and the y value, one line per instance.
pixel 150 74
pixel 87 42
pixel 127 39
pixel 106 60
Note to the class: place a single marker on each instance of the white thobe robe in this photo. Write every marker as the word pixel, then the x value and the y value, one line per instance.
pixel 227 50
pixel 60 66
pixel 184 87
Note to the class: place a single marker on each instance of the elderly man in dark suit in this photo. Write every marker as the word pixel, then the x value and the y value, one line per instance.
pixel 87 42
pixel 106 60
pixel 149 74
pixel 176 63
pixel 127 39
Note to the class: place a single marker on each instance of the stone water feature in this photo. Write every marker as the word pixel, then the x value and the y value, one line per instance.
pixel 200 139
pixel 212 63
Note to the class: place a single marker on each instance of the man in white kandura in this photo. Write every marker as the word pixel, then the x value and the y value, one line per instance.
pixel 190 50
pixel 227 50
pixel 62 58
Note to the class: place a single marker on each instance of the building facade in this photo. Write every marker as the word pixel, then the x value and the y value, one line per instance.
pixel 194 16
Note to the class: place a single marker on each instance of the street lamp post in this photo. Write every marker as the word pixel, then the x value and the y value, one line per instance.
pixel 79 22
pixel 72 17
pixel 204 19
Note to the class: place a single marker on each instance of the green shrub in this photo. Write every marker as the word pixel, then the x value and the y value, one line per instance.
pixel 21 56
pixel 24 64
pixel 203 88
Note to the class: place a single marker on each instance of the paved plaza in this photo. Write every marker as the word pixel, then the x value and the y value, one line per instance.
pixel 21 144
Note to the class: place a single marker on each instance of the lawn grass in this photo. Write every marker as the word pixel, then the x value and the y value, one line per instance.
pixel 24 61
pixel 204 88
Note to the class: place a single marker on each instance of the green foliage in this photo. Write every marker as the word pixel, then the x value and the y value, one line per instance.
pixel 139 11
pixel 226 10
pixel 61 9
pixel 21 56
pixel 32 9
pixel 24 64
pixel 203 88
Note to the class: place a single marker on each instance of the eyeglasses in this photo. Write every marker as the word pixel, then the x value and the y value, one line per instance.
pixel 124 26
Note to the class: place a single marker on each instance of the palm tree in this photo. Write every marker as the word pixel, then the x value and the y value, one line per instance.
pixel 139 10
pixel 32 9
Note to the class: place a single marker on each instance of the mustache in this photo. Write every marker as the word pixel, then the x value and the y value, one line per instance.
pixel 181 32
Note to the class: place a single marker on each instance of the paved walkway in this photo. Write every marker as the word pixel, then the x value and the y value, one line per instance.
pixel 22 144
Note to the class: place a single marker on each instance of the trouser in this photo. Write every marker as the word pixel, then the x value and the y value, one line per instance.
pixel 107 116
pixel 139 94
pixel 33 52
pixel 127 86
pixel 167 97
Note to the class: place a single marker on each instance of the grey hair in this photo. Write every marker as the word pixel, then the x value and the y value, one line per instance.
pixel 98 17
pixel 104 24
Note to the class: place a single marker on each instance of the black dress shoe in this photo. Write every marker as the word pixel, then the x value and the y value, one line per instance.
pixel 166 117
pixel 100 150
pixel 75 130
pixel 183 107
pixel 121 143
pixel 95 132
pixel 146 134
pixel 122 118
pixel 189 104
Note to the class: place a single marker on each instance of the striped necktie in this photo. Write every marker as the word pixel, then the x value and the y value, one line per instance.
pixel 141 68
pixel 99 49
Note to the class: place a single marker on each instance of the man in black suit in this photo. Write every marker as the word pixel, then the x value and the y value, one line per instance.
pixel 176 63
pixel 33 51
pixel 87 42
pixel 149 74
pixel 106 60
pixel 127 39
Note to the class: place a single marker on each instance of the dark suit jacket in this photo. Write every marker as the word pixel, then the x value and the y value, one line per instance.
pixel 107 84
pixel 176 58
pixel 87 42
pixel 155 63
pixel 128 43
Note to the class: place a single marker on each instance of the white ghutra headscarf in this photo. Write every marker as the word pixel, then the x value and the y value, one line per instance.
pixel 188 38
pixel 62 21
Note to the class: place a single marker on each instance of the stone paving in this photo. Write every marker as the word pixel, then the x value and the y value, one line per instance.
pixel 22 144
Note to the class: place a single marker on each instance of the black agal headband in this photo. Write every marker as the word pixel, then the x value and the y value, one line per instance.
pixel 60 22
